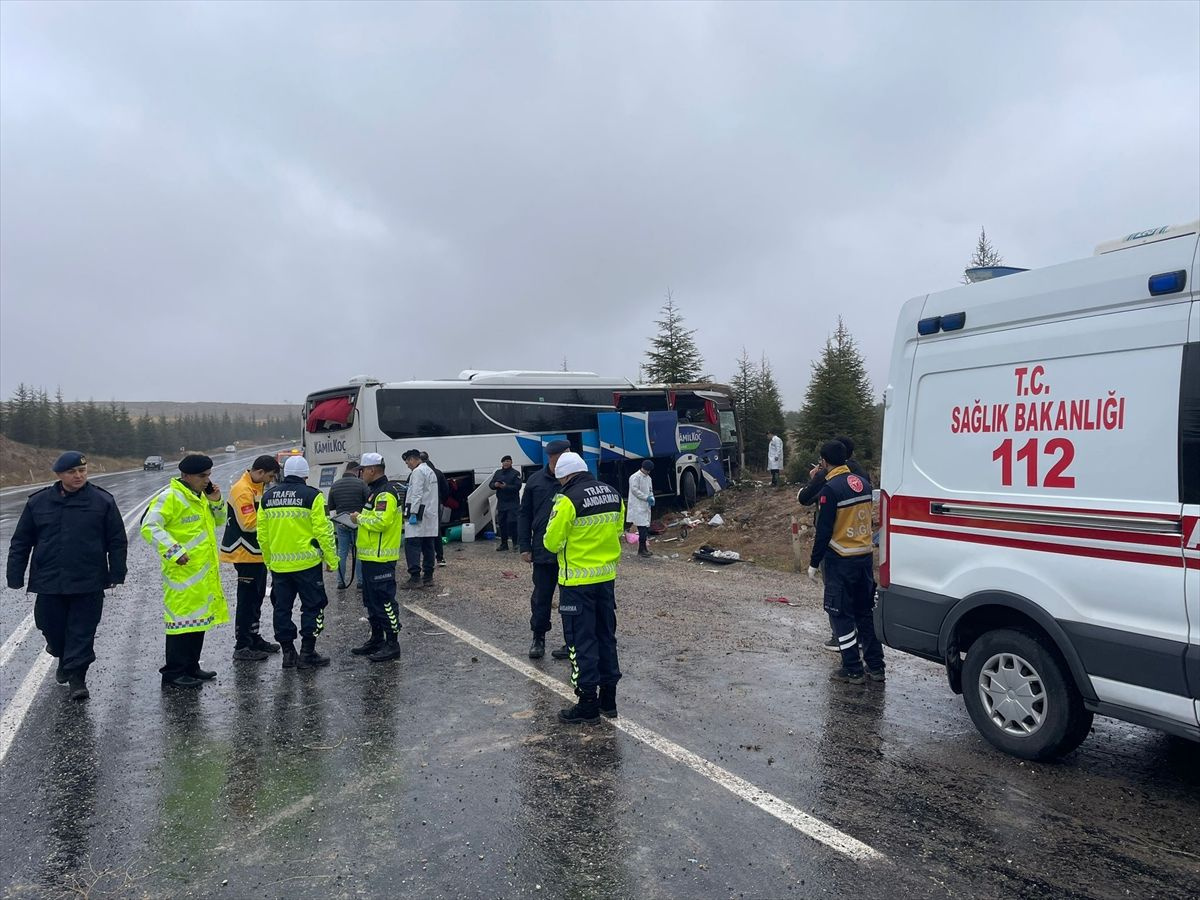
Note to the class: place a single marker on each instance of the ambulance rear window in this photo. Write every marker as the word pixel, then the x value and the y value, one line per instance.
pixel 1189 426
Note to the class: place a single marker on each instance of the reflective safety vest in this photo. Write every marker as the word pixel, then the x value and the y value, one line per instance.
pixel 180 521
pixel 293 531
pixel 380 525
pixel 585 530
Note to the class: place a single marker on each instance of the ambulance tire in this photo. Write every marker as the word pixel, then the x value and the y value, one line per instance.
pixel 1065 721
pixel 687 488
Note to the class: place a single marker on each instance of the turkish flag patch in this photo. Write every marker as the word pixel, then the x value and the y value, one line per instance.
pixel 822 500
pixel 247 509
pixel 855 483
pixel 380 505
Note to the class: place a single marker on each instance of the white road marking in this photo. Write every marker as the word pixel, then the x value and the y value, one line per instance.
pixel 14 639
pixel 769 803
pixel 18 707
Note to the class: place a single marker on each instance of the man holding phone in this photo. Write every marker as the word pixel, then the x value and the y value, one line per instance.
pixel 181 524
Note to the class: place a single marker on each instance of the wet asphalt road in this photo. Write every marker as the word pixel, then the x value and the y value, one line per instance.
pixel 446 775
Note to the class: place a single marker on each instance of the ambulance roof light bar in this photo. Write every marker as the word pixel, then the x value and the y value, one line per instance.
pixel 1149 236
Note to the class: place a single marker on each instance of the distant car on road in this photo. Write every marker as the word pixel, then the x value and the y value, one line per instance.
pixel 231 448
pixel 152 462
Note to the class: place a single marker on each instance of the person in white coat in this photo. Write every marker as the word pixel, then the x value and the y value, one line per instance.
pixel 420 522
pixel 774 457
pixel 641 498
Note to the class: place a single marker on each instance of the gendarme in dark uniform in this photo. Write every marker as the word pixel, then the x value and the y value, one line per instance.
pixel 74 533
pixel 536 503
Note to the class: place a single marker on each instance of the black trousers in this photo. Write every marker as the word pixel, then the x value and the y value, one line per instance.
pixel 439 545
pixel 251 589
pixel 183 654
pixel 589 615
pixel 420 555
pixel 506 524
pixel 379 596
pixel 849 599
pixel 68 623
pixel 545 579
pixel 643 534
pixel 310 586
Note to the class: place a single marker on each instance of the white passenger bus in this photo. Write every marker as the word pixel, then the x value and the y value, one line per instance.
pixel 465 424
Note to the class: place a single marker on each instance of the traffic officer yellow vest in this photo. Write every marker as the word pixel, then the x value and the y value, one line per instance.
pixel 585 530
pixel 180 521
pixel 293 531
pixel 380 525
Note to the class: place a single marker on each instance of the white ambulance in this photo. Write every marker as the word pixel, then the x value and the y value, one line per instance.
pixel 1041 493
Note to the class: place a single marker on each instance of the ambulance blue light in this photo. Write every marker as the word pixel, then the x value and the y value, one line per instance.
pixel 1168 283
pixel 929 326
pixel 954 321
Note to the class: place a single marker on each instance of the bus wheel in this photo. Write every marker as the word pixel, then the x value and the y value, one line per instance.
pixel 687 489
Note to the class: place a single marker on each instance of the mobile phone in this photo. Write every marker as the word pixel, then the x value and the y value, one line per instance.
pixel 210 488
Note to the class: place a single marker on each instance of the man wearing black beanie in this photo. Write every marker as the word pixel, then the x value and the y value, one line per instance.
pixel 181 524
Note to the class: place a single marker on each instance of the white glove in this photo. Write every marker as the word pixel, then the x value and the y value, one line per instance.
pixel 814 574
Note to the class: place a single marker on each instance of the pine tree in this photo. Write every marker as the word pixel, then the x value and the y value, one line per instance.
pixel 985 255
pixel 838 401
pixel 673 357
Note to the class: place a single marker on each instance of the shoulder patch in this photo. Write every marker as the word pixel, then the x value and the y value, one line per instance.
pixel 855 483
pixel 381 505
pixel 821 500
pixel 247 508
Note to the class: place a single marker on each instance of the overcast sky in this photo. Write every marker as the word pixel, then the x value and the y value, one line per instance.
pixel 234 201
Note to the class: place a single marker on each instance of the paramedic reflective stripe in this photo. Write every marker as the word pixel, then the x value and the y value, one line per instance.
pixel 597 519
pixel 846 641
pixel 855 550
pixel 865 498
pixel 592 571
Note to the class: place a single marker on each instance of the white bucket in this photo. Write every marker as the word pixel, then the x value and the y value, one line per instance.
pixel 468 532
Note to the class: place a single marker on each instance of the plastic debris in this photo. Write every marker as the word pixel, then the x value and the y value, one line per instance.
pixel 716 520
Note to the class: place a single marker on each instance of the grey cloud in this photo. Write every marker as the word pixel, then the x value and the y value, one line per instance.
pixel 191 192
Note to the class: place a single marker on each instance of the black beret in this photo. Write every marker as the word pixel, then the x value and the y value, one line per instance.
pixel 559 446
pixel 195 464
pixel 69 460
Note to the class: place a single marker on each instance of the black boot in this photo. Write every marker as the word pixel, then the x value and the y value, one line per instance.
pixel 503 546
pixel 79 689
pixel 309 657
pixel 261 644
pixel 608 701
pixel 390 649
pixel 249 654
pixel 373 643
pixel 202 674
pixel 290 657
pixel 538 648
pixel 585 712
pixel 60 674
pixel 563 652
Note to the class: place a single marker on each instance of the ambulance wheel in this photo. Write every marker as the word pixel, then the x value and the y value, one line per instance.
pixel 687 489
pixel 1021 696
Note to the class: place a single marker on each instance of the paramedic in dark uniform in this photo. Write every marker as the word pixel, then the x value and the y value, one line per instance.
pixel 842 550
pixel 74 532
pixel 536 502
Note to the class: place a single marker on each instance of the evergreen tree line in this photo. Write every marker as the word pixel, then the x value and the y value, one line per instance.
pixel 839 399
pixel 30 416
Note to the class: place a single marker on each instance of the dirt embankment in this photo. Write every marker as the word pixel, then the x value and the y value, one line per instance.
pixel 22 464
pixel 758 525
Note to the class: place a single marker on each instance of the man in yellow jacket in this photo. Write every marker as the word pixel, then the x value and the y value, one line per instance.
pixel 295 535
pixel 181 524
pixel 585 529
pixel 380 533
pixel 239 546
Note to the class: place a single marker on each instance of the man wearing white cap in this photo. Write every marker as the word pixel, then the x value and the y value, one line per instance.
pixel 295 536
pixel 585 529
pixel 380 532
